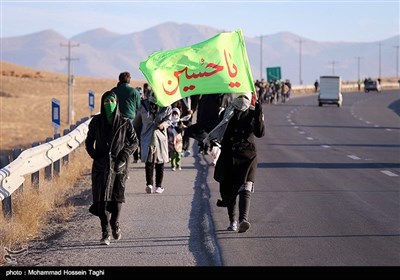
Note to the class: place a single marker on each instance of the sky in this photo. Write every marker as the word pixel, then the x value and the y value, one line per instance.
pixel 324 20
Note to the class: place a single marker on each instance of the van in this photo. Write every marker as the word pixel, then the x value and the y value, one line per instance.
pixel 330 91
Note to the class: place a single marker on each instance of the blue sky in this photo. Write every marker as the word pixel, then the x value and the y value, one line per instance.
pixel 347 21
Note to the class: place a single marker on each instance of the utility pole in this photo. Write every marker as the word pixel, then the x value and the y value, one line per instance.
pixel 261 56
pixel 333 66
pixel 300 41
pixel 380 45
pixel 397 60
pixel 69 82
pixel 358 66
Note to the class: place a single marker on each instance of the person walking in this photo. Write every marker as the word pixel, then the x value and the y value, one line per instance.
pixel 110 140
pixel 129 100
pixel 175 142
pixel 236 167
pixel 154 122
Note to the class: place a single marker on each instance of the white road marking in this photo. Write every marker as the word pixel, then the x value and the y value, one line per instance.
pixel 310 138
pixel 387 172
pixel 325 146
pixel 354 157
pixel 301 132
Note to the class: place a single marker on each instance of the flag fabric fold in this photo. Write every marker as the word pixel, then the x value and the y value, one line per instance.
pixel 217 65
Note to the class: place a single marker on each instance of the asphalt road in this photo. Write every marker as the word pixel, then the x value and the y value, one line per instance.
pixel 327 188
pixel 326 194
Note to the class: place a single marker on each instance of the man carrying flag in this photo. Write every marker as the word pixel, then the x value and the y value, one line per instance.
pixel 217 65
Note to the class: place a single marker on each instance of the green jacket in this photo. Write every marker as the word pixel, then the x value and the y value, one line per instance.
pixel 129 100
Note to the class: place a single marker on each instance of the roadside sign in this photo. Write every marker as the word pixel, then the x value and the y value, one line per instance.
pixel 91 100
pixel 273 73
pixel 55 113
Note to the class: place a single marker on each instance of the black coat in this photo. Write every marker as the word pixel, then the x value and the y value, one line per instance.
pixel 237 162
pixel 108 145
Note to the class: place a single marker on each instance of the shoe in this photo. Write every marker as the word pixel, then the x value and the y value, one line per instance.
pixel 117 232
pixel 105 239
pixel 179 168
pixel 173 168
pixel 244 226
pixel 232 226
pixel 159 190
pixel 149 188
pixel 135 161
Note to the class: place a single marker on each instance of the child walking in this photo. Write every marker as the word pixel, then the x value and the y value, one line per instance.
pixel 175 139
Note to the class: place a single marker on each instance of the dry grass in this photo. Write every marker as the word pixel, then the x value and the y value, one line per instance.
pixel 25 117
pixel 25 100
pixel 37 205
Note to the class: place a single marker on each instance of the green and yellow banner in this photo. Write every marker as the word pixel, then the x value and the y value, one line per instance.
pixel 217 65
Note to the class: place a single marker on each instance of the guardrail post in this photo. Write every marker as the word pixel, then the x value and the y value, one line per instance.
pixel 6 202
pixel 48 169
pixel 56 164
pixel 15 154
pixel 35 175
pixel 66 157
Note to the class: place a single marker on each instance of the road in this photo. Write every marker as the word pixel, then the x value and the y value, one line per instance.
pixel 326 194
pixel 327 188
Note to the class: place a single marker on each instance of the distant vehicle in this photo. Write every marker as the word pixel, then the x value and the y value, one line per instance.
pixel 371 85
pixel 330 90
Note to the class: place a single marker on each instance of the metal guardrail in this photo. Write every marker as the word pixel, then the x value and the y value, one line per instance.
pixel 39 157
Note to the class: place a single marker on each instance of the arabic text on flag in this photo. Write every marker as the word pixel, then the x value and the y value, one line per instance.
pixel 217 65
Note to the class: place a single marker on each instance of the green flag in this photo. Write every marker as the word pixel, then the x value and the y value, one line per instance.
pixel 217 65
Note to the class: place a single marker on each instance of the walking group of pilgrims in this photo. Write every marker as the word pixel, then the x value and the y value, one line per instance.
pixel 132 127
pixel 274 91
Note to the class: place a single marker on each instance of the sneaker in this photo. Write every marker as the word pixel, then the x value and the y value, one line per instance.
pixel 179 168
pixel 244 226
pixel 232 226
pixel 117 233
pixel 159 190
pixel 173 168
pixel 105 239
pixel 149 188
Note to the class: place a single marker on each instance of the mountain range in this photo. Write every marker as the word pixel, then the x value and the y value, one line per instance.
pixel 101 53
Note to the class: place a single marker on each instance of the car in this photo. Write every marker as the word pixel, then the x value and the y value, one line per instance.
pixel 372 85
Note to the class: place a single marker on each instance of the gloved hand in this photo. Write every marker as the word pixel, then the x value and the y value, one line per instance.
pixel 214 151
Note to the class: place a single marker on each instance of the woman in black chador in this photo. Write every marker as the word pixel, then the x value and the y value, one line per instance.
pixel 237 163
pixel 110 141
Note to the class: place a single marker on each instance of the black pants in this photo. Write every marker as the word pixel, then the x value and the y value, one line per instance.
pixel 107 209
pixel 229 196
pixel 159 167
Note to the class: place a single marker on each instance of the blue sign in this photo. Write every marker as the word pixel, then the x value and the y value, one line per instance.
pixel 55 113
pixel 91 100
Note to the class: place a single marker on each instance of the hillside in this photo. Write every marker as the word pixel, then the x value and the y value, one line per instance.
pixel 101 53
pixel 25 100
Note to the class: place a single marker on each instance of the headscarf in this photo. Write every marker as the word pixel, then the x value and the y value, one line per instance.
pixel 241 103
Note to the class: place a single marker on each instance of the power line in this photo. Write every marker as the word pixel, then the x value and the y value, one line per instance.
pixel 300 41
pixel 69 59
pixel 333 62
pixel 358 66
pixel 261 56
pixel 380 68
pixel 397 60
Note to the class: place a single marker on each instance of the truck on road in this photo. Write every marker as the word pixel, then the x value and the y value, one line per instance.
pixel 330 91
